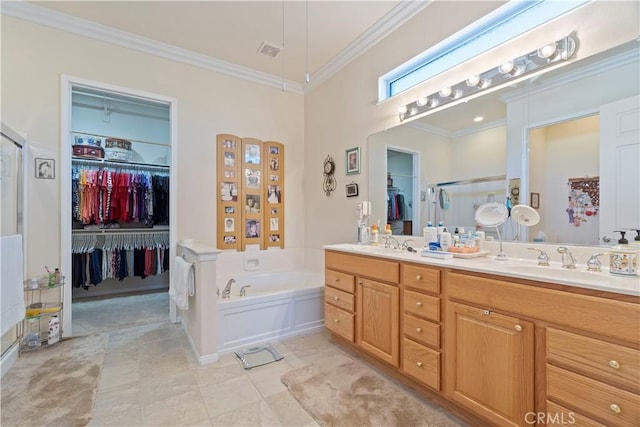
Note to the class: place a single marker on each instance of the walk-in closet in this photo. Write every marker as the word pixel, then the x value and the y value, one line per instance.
pixel 119 146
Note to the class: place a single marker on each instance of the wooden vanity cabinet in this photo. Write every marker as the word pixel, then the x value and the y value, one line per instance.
pixel 377 303
pixel 490 363
pixel 494 350
pixel 421 353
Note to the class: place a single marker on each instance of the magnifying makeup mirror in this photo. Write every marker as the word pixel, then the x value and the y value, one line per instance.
pixel 524 215
pixel 493 215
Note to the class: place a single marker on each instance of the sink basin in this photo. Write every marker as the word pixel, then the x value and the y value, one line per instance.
pixel 559 273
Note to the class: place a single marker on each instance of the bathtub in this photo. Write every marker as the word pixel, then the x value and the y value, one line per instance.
pixel 276 306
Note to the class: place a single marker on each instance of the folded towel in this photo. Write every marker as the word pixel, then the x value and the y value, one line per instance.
pixel 183 284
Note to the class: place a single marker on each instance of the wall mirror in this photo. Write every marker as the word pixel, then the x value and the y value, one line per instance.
pixel 535 137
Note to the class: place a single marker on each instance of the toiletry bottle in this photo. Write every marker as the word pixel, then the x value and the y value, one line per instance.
pixel 430 235
pixel 445 240
pixel 387 229
pixel 57 276
pixel 624 258
pixel 374 235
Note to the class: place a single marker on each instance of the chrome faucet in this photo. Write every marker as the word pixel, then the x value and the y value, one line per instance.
pixel 543 258
pixel 243 290
pixel 568 261
pixel 227 289
pixel 405 244
pixel 389 238
pixel 594 263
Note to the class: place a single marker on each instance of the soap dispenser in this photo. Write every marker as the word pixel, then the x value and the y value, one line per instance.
pixel 623 258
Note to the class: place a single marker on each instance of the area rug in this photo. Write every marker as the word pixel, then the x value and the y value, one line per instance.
pixel 339 391
pixel 54 386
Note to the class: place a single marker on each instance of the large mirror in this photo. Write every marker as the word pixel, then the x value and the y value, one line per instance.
pixel 547 142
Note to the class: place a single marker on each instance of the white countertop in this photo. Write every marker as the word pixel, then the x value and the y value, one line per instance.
pixel 512 267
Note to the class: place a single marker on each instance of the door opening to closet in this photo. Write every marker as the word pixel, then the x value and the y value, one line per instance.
pixel 402 175
pixel 119 157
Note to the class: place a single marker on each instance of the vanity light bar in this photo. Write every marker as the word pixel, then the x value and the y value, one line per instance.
pixel 545 57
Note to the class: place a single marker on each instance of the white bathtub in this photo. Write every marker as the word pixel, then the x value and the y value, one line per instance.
pixel 276 306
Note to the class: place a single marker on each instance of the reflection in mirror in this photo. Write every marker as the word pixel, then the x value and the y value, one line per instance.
pixel 535 118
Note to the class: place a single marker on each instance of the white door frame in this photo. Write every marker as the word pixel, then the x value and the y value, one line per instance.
pixel 415 185
pixel 67 84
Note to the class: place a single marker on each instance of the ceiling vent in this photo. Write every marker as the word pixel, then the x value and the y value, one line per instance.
pixel 269 49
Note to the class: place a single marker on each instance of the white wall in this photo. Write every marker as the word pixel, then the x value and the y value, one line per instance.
pixel 343 112
pixel 35 57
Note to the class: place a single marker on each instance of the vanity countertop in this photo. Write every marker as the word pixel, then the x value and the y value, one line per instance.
pixel 512 267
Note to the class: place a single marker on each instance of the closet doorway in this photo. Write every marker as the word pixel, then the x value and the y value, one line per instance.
pixel 402 191
pixel 117 171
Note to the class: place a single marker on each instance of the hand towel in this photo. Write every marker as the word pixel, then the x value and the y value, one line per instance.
pixel 12 282
pixel 183 284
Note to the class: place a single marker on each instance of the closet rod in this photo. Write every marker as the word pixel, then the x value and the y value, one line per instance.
pixel 127 165
pixel 470 181
pixel 399 175
pixel 156 229
pixel 111 136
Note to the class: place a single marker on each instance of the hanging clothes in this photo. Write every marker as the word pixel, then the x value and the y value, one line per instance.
pixel 396 209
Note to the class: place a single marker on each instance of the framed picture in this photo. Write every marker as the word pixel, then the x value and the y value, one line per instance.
pixel 535 200
pixel 252 227
pixel 45 168
pixel 352 190
pixel 352 161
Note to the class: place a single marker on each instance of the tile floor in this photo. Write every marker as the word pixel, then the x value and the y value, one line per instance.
pixel 150 376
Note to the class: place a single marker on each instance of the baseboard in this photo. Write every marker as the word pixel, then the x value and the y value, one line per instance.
pixel 8 359
pixel 202 360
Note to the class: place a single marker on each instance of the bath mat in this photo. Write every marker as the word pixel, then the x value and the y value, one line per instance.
pixel 339 391
pixel 258 356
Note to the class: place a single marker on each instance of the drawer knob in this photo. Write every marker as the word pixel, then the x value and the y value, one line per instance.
pixel 418 329
pixel 518 328
pixel 418 304
pixel 418 277
pixel 359 282
pixel 337 320
pixel 419 365
pixel 335 298
pixel 615 408
pixel 614 364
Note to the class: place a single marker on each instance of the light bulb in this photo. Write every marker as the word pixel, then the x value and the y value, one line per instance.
pixel 413 111
pixel 507 67
pixel 402 109
pixel 473 81
pixel 549 51
pixel 421 102
pixel 445 92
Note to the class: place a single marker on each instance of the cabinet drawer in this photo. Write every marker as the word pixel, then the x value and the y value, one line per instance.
pixel 421 363
pixel 593 398
pixel 374 268
pixel 422 330
pixel 421 278
pixel 342 281
pixel 338 321
pixel 339 298
pixel 604 360
pixel 422 305
pixel 557 415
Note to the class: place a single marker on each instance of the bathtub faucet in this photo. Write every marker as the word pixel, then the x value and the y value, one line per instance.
pixel 243 290
pixel 227 289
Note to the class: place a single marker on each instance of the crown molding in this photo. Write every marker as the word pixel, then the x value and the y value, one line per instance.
pixel 479 128
pixel 430 129
pixel 85 28
pixel 599 67
pixel 400 14
pixel 405 10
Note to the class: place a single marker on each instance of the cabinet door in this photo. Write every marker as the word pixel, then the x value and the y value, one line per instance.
pixel 490 363
pixel 378 320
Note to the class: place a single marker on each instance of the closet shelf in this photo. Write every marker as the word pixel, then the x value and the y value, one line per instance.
pixel 79 132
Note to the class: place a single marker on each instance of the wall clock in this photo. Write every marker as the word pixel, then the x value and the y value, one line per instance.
pixel 329 183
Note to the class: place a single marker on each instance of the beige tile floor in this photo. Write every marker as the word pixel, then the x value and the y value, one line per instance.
pixel 150 376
